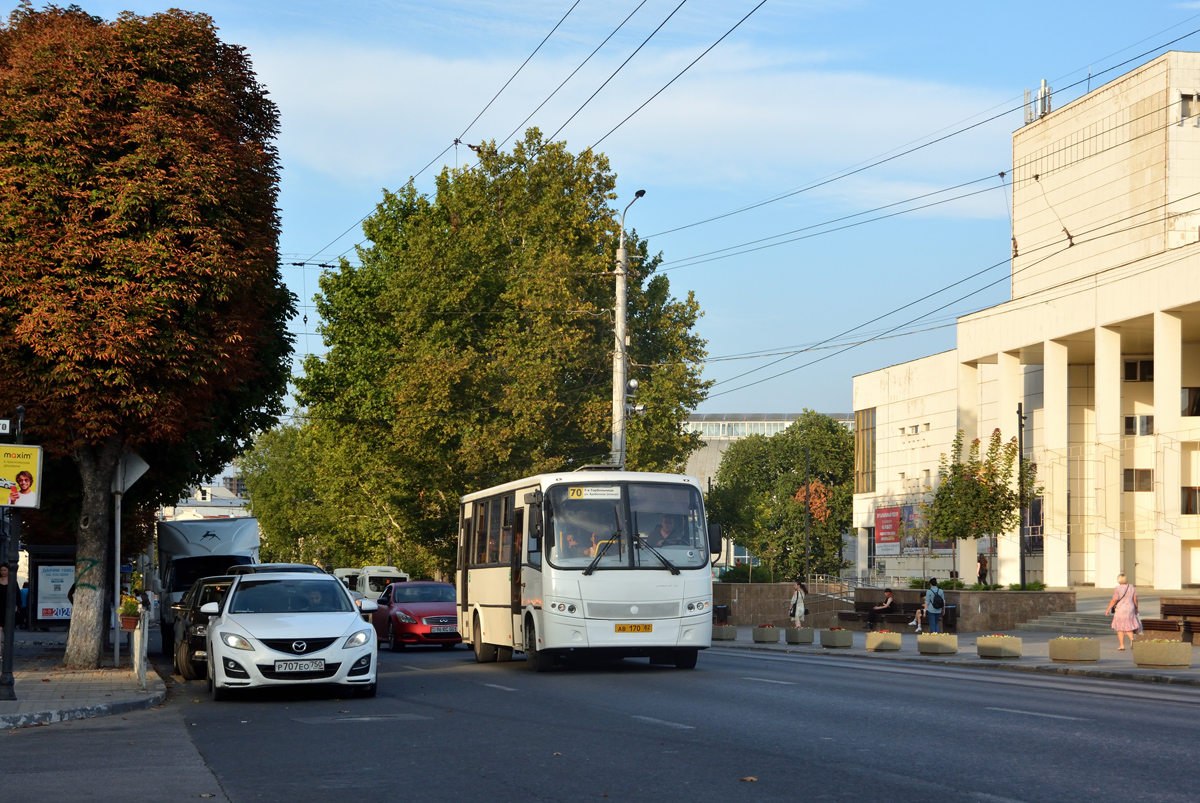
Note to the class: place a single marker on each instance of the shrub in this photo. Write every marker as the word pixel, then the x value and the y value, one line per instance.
pixel 986 587
pixel 1032 585
pixel 945 585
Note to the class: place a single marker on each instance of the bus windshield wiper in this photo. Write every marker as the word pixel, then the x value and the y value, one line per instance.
pixel 609 542
pixel 646 543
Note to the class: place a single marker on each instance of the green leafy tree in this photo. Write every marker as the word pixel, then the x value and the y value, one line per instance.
pixel 141 304
pixel 977 493
pixel 760 499
pixel 473 343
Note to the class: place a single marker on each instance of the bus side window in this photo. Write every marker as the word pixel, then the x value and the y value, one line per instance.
pixel 534 542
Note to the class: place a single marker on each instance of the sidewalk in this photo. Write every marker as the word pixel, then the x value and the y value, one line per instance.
pixel 1113 664
pixel 48 693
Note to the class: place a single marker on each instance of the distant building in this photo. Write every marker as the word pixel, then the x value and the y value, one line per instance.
pixel 207 502
pixel 235 485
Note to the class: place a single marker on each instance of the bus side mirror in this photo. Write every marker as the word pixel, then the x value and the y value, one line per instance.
pixel 714 538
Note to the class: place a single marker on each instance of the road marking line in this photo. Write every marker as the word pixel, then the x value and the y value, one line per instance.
pixel 413 668
pixel 364 718
pixel 764 680
pixel 501 688
pixel 1035 714
pixel 654 721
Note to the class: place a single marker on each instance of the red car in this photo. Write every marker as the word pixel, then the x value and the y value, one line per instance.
pixel 420 612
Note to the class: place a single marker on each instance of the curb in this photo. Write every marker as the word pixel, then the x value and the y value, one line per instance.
pixel 84 711
pixel 1036 669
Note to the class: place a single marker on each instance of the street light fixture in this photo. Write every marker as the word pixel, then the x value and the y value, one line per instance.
pixel 619 357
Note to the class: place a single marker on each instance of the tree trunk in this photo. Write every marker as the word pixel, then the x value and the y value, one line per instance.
pixel 89 616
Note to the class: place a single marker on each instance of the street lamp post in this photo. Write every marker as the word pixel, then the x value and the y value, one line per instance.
pixel 619 357
pixel 7 681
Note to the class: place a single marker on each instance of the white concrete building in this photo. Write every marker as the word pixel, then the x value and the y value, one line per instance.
pixel 1100 344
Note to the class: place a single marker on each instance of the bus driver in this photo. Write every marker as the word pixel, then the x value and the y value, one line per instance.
pixel 667 533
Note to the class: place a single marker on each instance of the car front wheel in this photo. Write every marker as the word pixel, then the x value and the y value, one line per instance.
pixel 394 644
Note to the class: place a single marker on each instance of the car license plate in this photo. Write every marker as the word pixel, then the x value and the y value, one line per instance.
pixel 311 665
pixel 443 629
pixel 635 628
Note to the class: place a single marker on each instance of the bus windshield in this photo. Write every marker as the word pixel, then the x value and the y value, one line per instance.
pixel 627 526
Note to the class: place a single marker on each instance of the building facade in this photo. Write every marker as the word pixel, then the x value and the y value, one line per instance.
pixel 1099 345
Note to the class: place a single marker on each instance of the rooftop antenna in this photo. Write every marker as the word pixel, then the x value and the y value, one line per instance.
pixel 1039 108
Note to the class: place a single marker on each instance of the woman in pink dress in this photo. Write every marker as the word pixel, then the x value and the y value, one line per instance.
pixel 1124 610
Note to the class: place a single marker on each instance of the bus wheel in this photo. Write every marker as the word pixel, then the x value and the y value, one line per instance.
pixel 535 659
pixel 484 653
pixel 686 659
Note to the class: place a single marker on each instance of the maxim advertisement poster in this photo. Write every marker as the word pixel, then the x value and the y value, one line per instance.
pixel 20 476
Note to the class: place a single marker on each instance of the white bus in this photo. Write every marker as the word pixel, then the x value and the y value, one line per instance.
pixel 601 561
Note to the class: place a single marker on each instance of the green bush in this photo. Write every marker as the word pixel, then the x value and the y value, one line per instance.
pixel 945 585
pixel 1032 585
pixel 742 574
pixel 986 587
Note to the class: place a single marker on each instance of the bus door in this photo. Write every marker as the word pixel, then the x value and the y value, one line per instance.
pixel 527 583
pixel 514 572
pixel 464 546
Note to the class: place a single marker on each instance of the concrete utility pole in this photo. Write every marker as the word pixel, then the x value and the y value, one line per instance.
pixel 619 357
pixel 1021 485
pixel 7 681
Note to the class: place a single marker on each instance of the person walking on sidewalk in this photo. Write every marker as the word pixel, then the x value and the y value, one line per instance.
pixel 982 570
pixel 797 609
pixel 1124 610
pixel 935 605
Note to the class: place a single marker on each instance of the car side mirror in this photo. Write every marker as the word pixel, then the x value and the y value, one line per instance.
pixel 714 538
pixel 210 608
pixel 367 605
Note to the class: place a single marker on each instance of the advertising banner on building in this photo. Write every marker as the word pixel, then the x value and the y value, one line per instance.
pixel 913 539
pixel 887 531
pixel 20 476
pixel 52 586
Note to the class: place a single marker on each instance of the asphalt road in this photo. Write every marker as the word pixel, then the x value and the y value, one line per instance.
pixel 741 726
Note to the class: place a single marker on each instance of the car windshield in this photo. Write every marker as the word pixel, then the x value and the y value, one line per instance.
pixel 277 595
pixel 379 582
pixel 409 593
pixel 186 571
pixel 596 523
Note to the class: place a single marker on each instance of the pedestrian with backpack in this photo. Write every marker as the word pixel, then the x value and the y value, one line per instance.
pixel 935 606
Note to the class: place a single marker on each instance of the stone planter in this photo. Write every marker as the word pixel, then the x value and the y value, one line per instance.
pixel 937 644
pixel 1162 654
pixel 1074 651
pixel 798 635
pixel 766 635
pixel 724 633
pixel 883 642
pixel 993 647
pixel 837 639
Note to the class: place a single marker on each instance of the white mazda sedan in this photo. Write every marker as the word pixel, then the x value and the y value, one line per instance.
pixel 289 629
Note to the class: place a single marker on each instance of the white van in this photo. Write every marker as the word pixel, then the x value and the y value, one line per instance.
pixel 347 576
pixel 371 580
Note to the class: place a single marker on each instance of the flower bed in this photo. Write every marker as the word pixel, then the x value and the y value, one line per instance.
pixel 883 641
pixel 998 646
pixel 1162 654
pixel 766 634
pixel 1066 650
pixel 837 638
pixel 799 635
pixel 724 632
pixel 937 644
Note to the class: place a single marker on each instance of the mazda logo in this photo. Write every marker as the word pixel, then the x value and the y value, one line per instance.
pixel 299 646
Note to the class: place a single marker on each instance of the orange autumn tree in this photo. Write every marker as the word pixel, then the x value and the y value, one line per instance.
pixel 141 300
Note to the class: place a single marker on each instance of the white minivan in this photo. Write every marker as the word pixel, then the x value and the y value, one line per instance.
pixel 370 581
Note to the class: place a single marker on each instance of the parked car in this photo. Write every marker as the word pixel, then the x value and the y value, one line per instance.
pixel 262 568
pixel 289 629
pixel 191 626
pixel 420 612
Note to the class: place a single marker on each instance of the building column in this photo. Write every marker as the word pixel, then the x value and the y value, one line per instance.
pixel 967 551
pixel 1168 379
pixel 1009 392
pixel 1109 480
pixel 1052 474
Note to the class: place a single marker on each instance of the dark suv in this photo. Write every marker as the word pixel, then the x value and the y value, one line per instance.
pixel 191 625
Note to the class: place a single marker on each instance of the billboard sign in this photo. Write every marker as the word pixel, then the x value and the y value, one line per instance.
pixel 20 476
pixel 887 531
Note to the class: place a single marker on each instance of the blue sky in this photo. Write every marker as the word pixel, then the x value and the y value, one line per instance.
pixel 803 91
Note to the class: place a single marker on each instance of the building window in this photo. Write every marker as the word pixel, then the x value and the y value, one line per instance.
pixel 927 427
pixel 864 451
pixel 1187 107
pixel 1139 479
pixel 1139 370
pixel 1139 425
pixel 1190 504
pixel 1190 401
pixel 914 429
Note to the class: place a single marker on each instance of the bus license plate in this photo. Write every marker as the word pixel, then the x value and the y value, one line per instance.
pixel 444 629
pixel 635 628
pixel 311 665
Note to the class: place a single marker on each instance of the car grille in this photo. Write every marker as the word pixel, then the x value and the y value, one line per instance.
pixel 621 610
pixel 440 620
pixel 268 671
pixel 289 645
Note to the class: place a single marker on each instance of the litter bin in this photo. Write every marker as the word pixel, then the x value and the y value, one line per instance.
pixel 950 619
pixel 721 614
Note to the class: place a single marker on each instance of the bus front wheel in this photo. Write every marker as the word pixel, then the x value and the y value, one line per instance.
pixel 686 659
pixel 484 653
pixel 535 659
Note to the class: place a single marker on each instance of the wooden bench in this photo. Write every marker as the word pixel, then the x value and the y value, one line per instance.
pixel 1190 629
pixel 1163 626
pixel 1177 611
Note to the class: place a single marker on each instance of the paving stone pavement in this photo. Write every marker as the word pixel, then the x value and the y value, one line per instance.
pixel 46 692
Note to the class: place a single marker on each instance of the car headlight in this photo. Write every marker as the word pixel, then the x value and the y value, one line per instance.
pixel 404 617
pixel 235 641
pixel 358 639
